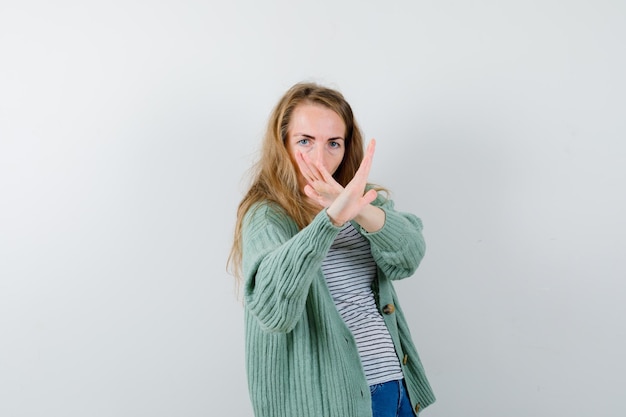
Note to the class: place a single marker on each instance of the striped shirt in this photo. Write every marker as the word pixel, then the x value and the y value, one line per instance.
pixel 349 269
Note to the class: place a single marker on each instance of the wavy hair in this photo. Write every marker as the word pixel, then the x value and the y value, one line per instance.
pixel 275 177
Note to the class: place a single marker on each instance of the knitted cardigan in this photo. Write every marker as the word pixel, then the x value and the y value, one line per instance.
pixel 301 359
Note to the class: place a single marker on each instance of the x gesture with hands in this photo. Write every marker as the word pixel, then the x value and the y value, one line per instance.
pixel 343 204
pixel 311 226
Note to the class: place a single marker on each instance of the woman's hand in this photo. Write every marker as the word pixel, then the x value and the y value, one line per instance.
pixel 342 204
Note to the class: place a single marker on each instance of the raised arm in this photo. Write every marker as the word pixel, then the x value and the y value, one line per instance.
pixel 279 264
pixel 398 247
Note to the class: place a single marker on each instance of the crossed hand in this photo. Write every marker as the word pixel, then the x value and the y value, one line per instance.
pixel 342 204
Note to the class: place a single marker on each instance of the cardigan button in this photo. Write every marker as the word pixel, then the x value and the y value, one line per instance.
pixel 389 309
pixel 417 408
pixel 405 359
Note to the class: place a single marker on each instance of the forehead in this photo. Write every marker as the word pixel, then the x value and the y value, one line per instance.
pixel 316 118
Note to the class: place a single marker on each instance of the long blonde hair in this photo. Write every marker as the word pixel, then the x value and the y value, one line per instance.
pixel 274 176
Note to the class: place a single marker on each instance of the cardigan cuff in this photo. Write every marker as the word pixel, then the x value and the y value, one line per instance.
pixel 394 228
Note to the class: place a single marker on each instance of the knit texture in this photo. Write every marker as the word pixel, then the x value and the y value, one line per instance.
pixel 301 359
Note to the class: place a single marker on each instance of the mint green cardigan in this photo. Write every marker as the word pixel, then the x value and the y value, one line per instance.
pixel 301 359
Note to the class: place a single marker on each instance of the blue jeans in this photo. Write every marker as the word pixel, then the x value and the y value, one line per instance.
pixel 390 399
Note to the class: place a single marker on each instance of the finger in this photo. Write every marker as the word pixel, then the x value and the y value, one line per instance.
pixel 371 147
pixel 366 163
pixel 369 151
pixel 326 175
pixel 369 196
pixel 310 192
pixel 313 195
pixel 313 173
pixel 305 168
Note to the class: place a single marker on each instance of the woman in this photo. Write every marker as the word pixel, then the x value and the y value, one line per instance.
pixel 317 249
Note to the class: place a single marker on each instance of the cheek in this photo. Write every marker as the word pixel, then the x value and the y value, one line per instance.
pixel 336 161
pixel 292 156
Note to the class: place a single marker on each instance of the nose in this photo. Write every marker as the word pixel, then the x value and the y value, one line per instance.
pixel 317 154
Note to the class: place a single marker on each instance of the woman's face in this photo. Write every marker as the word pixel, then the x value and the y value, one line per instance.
pixel 318 132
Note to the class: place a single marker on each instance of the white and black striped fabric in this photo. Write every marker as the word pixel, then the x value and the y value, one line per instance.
pixel 349 269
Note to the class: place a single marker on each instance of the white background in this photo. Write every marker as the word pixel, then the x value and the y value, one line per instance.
pixel 126 128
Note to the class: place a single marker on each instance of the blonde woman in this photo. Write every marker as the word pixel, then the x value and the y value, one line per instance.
pixel 316 249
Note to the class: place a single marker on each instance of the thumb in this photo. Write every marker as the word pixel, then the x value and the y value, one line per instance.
pixel 369 196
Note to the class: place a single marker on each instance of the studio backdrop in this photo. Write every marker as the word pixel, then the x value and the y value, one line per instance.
pixel 126 132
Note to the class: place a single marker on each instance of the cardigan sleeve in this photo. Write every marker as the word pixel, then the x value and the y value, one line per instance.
pixel 279 264
pixel 398 247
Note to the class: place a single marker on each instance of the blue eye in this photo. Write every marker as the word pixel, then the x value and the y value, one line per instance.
pixel 303 142
pixel 335 144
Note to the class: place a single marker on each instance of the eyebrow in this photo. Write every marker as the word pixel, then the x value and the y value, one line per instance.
pixel 313 137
